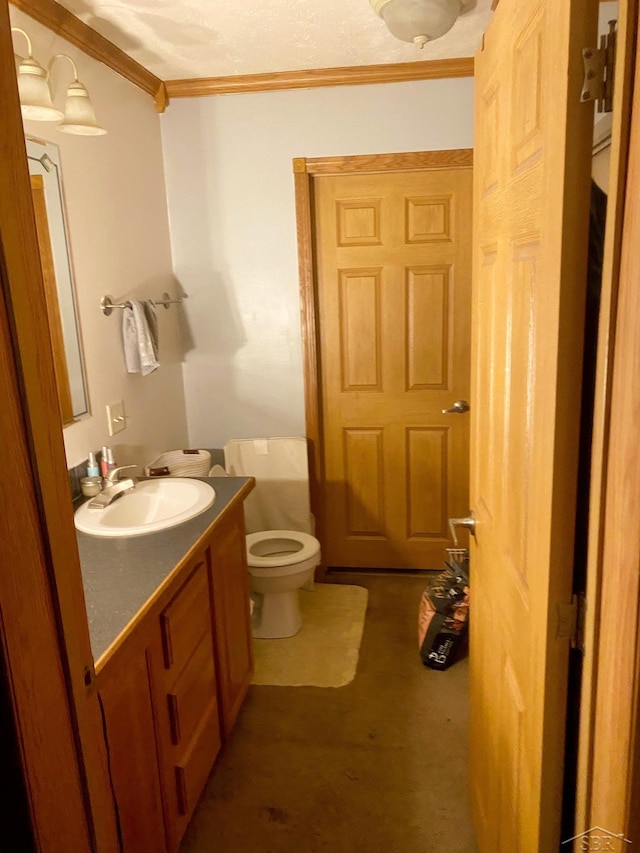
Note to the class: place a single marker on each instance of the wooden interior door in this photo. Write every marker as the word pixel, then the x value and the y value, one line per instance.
pixel 393 278
pixel 531 191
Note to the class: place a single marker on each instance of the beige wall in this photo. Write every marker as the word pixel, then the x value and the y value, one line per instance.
pixel 228 166
pixel 118 227
pixel 233 230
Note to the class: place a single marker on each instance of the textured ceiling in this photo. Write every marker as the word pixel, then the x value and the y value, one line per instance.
pixel 214 38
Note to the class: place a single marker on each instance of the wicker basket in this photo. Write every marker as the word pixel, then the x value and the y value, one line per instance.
pixel 181 463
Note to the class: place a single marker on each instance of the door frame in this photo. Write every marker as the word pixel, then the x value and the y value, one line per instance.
pixel 43 622
pixel 305 171
pixel 609 726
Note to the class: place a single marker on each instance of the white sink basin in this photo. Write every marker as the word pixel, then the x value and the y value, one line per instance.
pixel 153 505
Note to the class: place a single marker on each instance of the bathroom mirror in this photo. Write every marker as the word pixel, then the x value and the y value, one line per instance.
pixel 48 202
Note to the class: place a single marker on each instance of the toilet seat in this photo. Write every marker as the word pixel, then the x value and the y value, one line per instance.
pixel 307 555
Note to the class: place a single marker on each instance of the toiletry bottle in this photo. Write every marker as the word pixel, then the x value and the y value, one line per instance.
pixel 111 462
pixel 104 460
pixel 92 466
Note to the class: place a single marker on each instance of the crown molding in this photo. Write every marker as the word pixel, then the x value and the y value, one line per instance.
pixel 428 69
pixel 62 22
pixel 59 20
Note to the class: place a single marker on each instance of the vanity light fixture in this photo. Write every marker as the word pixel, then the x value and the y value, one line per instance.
pixel 36 102
pixel 420 21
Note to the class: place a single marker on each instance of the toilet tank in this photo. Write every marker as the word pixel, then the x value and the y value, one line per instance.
pixel 280 500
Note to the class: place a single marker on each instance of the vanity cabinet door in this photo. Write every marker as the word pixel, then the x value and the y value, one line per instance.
pixel 232 618
pixel 188 725
pixel 125 695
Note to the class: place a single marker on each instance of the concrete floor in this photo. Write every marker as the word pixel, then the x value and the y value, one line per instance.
pixel 378 766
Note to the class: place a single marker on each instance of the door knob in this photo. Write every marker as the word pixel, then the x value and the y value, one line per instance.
pixel 458 408
pixel 469 523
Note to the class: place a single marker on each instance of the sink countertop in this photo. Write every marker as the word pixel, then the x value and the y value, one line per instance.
pixel 121 574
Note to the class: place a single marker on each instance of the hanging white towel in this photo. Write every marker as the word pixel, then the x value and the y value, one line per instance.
pixel 140 353
pixel 152 322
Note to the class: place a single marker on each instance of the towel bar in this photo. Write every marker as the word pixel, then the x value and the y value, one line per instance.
pixel 107 304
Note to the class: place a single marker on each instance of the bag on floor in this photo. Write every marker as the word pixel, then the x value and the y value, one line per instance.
pixel 443 616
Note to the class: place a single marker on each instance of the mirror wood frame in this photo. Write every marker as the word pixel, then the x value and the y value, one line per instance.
pixel 45 169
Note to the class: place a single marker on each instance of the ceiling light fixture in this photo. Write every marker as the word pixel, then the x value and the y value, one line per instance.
pixel 36 102
pixel 419 21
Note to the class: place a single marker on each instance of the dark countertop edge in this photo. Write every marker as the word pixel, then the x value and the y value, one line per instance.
pixel 173 575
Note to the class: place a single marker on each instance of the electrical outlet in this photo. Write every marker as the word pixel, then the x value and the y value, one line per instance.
pixel 115 417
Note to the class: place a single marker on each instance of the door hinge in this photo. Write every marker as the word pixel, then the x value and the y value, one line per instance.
pixel 570 624
pixel 599 65
pixel 577 641
pixel 89 676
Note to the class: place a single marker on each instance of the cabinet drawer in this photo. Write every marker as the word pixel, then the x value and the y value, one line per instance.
pixel 192 771
pixel 192 692
pixel 186 618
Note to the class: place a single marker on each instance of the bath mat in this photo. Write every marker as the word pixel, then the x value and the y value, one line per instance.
pixel 324 653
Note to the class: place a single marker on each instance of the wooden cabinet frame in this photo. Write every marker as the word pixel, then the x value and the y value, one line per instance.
pixel 185 657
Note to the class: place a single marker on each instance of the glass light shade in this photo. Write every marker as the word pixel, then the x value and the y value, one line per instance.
pixel 35 95
pixel 418 21
pixel 79 115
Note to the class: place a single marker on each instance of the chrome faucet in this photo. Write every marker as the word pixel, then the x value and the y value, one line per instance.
pixel 113 476
pixel 115 486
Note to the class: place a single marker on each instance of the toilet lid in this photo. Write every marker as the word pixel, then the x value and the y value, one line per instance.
pixel 271 548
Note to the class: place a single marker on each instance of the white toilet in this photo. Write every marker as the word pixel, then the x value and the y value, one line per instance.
pixel 282 553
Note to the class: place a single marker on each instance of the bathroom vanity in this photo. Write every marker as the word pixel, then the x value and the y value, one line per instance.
pixel 171 635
